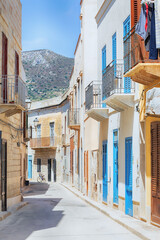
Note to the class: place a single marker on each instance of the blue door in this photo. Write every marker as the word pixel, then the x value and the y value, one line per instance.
pixel 114 52
pixel 115 166
pixel 105 172
pixel 127 60
pixel 30 166
pixel 128 177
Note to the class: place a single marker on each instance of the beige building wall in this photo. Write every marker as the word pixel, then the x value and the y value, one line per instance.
pixel 47 111
pixel 11 127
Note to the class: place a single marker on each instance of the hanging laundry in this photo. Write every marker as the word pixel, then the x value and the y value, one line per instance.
pixel 140 26
pixel 147 40
pixel 157 22
pixel 153 51
pixel 146 24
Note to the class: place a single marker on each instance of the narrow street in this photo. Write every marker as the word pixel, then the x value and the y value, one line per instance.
pixel 53 212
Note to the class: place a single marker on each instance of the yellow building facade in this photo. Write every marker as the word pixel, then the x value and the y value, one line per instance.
pixel 13 134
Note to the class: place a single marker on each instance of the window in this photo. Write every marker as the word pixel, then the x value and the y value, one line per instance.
pixel 114 52
pixel 104 60
pixel 52 129
pixel 30 132
pixel 39 131
pixel 25 125
pixel 38 165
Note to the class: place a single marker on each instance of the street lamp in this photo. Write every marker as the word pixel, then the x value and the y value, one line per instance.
pixel 28 102
pixel 35 121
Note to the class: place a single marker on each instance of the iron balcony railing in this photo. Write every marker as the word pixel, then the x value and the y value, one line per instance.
pixel 114 82
pixel 73 117
pixel 43 142
pixel 134 50
pixel 93 96
pixel 13 90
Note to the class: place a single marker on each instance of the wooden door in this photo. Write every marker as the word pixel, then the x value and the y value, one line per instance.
pixel 49 170
pixel 128 177
pixel 3 156
pixel 86 170
pixel 71 158
pixel 30 167
pixel 155 172
pixel 55 170
pixel 4 67
pixel 115 166
pixel 105 171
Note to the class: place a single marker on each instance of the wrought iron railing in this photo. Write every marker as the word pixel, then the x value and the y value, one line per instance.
pixel 13 90
pixel 114 82
pixel 93 95
pixel 74 117
pixel 43 142
pixel 134 50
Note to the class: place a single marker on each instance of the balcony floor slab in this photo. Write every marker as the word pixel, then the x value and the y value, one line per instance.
pixel 120 102
pixel 98 114
pixel 145 73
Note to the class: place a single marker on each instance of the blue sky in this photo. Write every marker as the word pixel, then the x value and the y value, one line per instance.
pixel 50 24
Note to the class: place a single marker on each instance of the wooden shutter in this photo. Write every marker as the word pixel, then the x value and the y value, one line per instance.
pixel 158 159
pixel 155 158
pixel 4 66
pixel 135 11
pixel 25 125
pixel 16 71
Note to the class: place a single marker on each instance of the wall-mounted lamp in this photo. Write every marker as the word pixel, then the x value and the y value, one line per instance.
pixel 35 121
pixel 28 103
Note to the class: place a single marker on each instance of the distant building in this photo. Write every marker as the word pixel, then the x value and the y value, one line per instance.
pixel 45 153
pixel 13 116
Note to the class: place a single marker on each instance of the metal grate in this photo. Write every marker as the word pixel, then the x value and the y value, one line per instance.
pixel 93 96
pixel 13 90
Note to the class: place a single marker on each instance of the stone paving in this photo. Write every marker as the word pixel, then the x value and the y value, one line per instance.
pixel 53 212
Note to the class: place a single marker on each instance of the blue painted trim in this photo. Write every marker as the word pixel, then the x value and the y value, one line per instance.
pixel 104 60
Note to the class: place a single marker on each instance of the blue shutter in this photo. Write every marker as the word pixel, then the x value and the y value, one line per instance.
pixel 127 81
pixel 114 52
pixel 104 60
pixel 115 166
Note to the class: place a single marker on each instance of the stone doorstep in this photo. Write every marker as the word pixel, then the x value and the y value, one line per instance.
pixel 141 229
pixel 11 210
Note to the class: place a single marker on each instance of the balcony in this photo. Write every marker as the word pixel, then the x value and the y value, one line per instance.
pixel 94 106
pixel 43 143
pixel 118 91
pixel 65 140
pixel 74 119
pixel 138 66
pixel 13 95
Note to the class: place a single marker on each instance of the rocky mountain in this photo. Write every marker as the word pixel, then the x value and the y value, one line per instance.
pixel 47 73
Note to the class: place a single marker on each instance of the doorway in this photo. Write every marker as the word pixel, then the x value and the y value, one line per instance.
pixel 115 166
pixel 128 177
pixel 3 157
pixel 105 171
pixel 155 172
pixel 30 167
pixel 49 170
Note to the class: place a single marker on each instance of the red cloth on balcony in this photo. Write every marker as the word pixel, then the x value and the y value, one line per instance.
pixel 146 24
